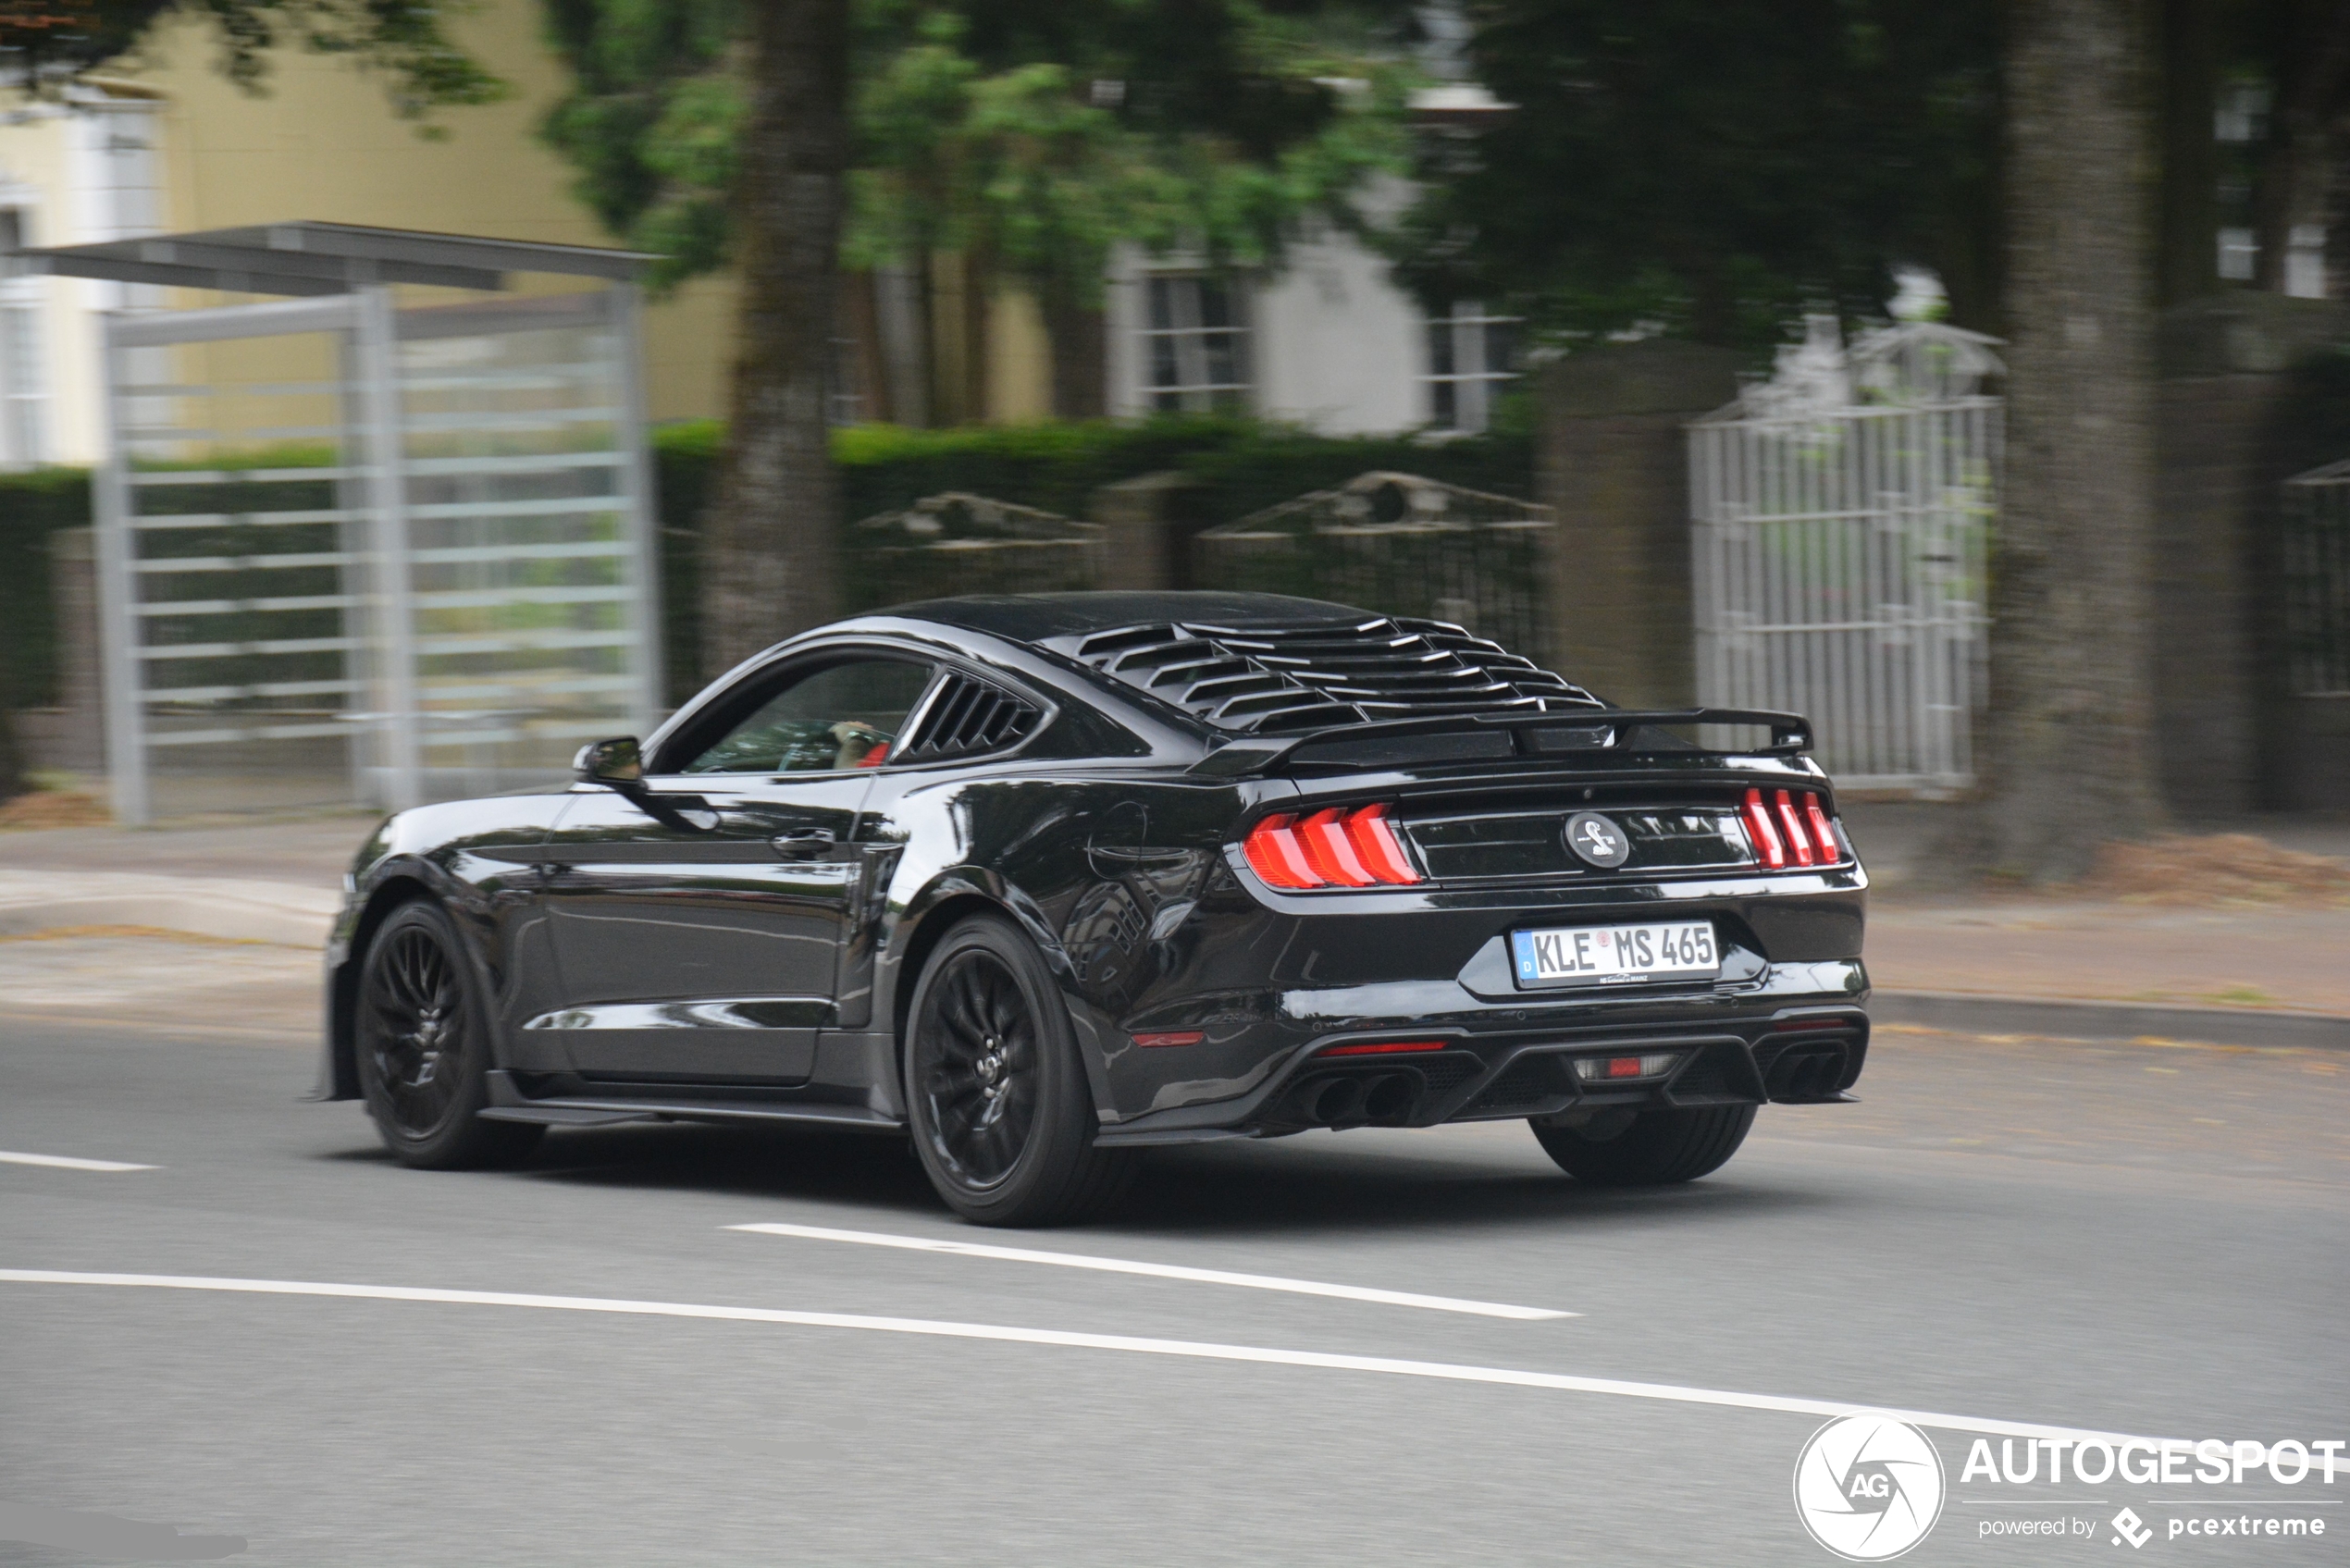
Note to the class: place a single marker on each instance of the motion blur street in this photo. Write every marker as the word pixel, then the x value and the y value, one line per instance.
pixel 2141 1239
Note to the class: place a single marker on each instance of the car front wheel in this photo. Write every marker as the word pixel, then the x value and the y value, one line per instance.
pixel 1646 1149
pixel 423 1047
pixel 1002 1116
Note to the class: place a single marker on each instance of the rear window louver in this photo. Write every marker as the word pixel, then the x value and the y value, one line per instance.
pixel 1311 676
pixel 968 717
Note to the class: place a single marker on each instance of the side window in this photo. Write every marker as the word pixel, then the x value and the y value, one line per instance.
pixel 845 715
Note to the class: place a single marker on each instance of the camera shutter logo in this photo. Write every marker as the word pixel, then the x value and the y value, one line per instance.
pixel 1868 1487
pixel 1598 840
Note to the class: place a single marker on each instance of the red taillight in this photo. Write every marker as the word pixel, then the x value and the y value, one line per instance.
pixel 1797 839
pixel 1822 831
pixel 1171 1037
pixel 1334 848
pixel 1382 1048
pixel 1274 854
pixel 1623 1066
pixel 1329 851
pixel 1765 836
pixel 1377 847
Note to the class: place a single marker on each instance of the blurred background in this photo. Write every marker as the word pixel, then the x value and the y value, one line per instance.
pixel 1970 377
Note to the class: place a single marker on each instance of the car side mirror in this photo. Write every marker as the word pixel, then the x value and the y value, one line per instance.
pixel 617 762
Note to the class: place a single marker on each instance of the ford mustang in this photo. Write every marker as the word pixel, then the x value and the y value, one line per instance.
pixel 1042 881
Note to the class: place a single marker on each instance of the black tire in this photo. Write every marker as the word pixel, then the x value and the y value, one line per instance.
pixel 421 1037
pixel 1002 1116
pixel 1657 1149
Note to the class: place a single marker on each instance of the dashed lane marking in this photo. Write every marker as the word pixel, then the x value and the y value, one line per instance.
pixel 68 1162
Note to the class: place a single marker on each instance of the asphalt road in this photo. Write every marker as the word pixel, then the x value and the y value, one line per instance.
pixel 2137 1240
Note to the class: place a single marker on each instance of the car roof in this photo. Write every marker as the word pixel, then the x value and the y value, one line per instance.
pixel 1035 619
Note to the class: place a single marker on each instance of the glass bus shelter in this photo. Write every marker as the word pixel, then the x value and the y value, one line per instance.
pixel 383 539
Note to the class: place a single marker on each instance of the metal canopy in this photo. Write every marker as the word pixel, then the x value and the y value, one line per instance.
pixel 324 258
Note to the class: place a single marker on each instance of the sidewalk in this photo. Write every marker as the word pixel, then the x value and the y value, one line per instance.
pixel 2260 975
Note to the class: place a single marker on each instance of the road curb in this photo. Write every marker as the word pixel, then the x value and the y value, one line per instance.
pixel 2106 1020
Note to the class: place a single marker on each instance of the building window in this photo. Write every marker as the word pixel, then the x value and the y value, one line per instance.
pixel 1470 356
pixel 1196 344
pixel 24 382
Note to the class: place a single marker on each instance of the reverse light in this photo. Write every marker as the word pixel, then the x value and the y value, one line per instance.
pixel 1607 1070
pixel 1380 1048
pixel 1332 847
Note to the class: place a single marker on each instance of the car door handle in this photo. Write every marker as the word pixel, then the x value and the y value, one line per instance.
pixel 803 844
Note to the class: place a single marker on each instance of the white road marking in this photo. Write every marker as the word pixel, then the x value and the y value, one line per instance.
pixel 1158 1270
pixel 67 1162
pixel 1067 1339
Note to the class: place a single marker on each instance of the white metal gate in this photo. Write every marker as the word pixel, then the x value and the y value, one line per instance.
pixel 1839 566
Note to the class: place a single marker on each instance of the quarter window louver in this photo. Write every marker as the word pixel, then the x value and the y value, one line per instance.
pixel 968 717
pixel 1319 675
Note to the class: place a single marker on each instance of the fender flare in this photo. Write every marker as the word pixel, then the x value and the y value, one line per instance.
pixel 945 896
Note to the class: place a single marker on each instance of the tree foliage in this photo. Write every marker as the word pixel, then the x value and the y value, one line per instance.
pixel 1036 132
pixel 406 42
pixel 1715 166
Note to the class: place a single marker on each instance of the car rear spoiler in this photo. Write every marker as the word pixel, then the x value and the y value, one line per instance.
pixel 1535 735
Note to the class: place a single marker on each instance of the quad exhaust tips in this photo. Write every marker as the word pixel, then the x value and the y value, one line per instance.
pixel 1360 1100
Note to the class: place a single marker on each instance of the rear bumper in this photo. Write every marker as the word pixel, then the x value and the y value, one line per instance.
pixel 1809 1053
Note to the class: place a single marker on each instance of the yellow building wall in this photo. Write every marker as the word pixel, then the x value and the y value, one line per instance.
pixel 321 141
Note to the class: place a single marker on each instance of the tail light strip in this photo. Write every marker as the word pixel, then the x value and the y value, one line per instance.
pixel 1790 826
pixel 1334 848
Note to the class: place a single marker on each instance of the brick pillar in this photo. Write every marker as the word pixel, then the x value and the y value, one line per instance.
pixel 1613 464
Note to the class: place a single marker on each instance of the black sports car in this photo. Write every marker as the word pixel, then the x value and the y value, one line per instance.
pixel 1047 879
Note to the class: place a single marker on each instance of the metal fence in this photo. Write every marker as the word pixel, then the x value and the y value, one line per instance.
pixel 965 544
pixel 1839 573
pixel 2317 581
pixel 1401 545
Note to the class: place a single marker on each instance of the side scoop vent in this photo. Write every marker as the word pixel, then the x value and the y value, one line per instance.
pixel 1310 677
pixel 968 717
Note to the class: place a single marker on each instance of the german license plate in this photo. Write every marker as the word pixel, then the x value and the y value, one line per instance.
pixel 1616 955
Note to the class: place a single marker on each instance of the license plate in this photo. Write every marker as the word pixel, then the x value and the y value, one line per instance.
pixel 1615 955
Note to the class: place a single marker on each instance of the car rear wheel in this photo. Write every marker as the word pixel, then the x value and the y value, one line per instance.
pixel 423 1047
pixel 1653 1149
pixel 1003 1119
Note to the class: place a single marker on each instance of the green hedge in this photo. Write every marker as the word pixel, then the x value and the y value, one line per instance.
pixel 1237 466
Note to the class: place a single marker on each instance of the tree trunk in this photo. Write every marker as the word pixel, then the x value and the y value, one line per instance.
pixel 1079 351
pixel 2070 756
pixel 770 543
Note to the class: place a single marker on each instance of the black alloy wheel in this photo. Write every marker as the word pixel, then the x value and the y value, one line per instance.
pixel 423 1048
pixel 1003 1118
pixel 1652 1149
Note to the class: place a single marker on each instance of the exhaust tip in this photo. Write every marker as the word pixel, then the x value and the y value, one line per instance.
pixel 1339 1103
pixel 1389 1100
